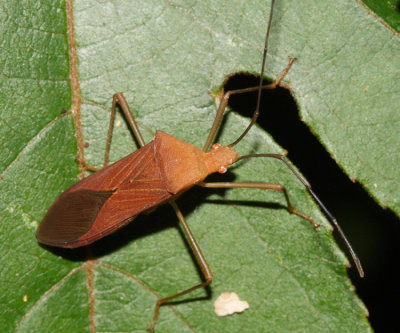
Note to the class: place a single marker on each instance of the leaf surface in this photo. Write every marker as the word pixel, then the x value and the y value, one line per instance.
pixel 167 57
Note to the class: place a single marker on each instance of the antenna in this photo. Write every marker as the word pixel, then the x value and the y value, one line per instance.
pixel 256 113
pixel 257 110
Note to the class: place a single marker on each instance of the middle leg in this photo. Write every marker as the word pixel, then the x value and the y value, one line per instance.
pixel 263 186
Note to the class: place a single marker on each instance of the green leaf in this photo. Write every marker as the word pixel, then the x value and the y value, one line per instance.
pixel 388 10
pixel 167 57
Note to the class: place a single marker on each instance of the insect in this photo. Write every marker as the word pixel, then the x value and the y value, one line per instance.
pixel 158 173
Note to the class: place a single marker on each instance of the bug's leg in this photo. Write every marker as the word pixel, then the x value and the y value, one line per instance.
pixel 200 259
pixel 225 99
pixel 87 166
pixel 290 207
pixel 273 186
pixel 263 186
pixel 119 98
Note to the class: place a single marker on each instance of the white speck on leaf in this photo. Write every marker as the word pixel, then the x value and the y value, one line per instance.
pixel 229 303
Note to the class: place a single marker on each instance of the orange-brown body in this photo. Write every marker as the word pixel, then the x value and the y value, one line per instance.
pixel 110 198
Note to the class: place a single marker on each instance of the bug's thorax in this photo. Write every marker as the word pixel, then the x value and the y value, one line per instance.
pixel 182 165
pixel 219 158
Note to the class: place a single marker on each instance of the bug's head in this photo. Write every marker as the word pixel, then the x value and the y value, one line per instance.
pixel 219 158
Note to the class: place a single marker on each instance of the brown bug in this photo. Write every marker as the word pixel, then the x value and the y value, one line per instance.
pixel 159 172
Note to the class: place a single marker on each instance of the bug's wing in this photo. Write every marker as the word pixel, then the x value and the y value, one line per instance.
pixel 105 201
pixel 71 216
pixel 115 175
pixel 146 192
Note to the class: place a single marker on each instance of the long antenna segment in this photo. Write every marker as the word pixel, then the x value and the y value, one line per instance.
pixel 283 159
pixel 257 111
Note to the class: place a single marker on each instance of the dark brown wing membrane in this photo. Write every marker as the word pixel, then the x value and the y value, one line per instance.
pixel 71 216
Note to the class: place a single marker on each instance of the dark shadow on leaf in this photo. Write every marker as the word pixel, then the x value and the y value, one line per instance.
pixel 194 299
pixel 247 203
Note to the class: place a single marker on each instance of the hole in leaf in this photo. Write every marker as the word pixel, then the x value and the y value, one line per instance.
pixel 372 230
